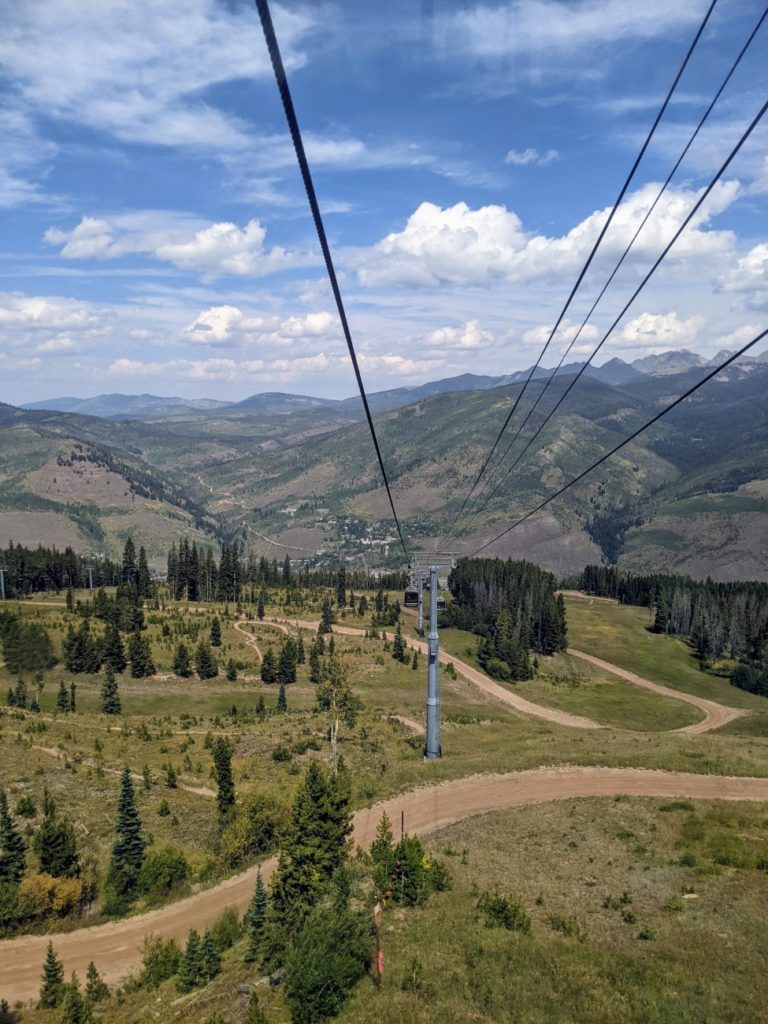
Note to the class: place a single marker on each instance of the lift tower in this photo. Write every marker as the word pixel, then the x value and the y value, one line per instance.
pixel 432 564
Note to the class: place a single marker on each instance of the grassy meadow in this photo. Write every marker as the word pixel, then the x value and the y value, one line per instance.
pixel 583 961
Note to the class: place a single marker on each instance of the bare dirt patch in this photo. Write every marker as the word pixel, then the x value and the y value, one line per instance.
pixel 84 482
pixel 29 528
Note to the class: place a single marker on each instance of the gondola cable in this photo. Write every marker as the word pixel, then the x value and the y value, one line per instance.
pixel 691 214
pixel 586 266
pixel 626 441
pixel 298 145
pixel 494 485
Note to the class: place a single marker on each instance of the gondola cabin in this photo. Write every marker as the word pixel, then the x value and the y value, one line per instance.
pixel 411 598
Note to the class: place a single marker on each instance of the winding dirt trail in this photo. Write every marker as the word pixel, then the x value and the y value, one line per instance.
pixel 62 755
pixel 250 639
pixel 116 948
pixel 715 715
pixel 479 679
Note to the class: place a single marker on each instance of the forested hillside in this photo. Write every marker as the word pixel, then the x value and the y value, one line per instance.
pixel 683 497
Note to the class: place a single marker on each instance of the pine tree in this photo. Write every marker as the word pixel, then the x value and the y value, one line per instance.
pixel 255 920
pixel 189 972
pixel 55 844
pixel 73 1009
pixel 398 646
pixel 140 656
pixel 182 666
pixel 383 844
pixel 254 1013
pixel 62 697
pixel 341 587
pixel 415 660
pixel 128 849
pixel 52 987
pixel 110 696
pixel 261 708
pixel 210 959
pixel 96 990
pixel 12 847
pixel 205 663
pixel 130 569
pixel 231 671
pixel 286 666
pixel 73 696
pixel 301 655
pixel 282 699
pixel 225 786
pixel 261 604
pixel 112 648
pixel 314 664
pixel 215 633
pixel 326 618
pixel 20 698
pixel 143 579
pixel 268 667
pixel 313 848
pixel 70 600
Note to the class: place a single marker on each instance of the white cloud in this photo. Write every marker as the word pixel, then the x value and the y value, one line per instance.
pixel 483 247
pixel 399 366
pixel 468 337
pixel 524 157
pixel 211 250
pixel 658 332
pixel 141 71
pixel 749 278
pixel 222 370
pixel 22 154
pixel 229 325
pixel 538 335
pixel 553 29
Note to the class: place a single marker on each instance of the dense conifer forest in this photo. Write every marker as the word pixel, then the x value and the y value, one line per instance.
pixel 721 620
pixel 513 606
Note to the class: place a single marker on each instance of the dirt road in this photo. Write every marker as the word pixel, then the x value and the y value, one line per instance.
pixel 479 679
pixel 116 948
pixel 715 715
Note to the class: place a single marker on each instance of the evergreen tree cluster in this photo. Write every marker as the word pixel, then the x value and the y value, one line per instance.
pixel 200 963
pixel 31 570
pixel 26 645
pixel 385 612
pixel 513 606
pixel 719 619
pixel 76 1005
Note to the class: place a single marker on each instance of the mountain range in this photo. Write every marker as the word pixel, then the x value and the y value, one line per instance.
pixel 689 495
pixel 142 407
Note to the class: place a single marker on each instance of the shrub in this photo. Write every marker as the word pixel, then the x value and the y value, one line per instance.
pixel 504 912
pixel 161 960
pixel 43 895
pixel 329 956
pixel 254 829
pixel 163 872
pixel 567 926
pixel 226 929
pixel 25 808
pixel 409 875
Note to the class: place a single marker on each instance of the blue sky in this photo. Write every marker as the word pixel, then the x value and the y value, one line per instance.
pixel 154 234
